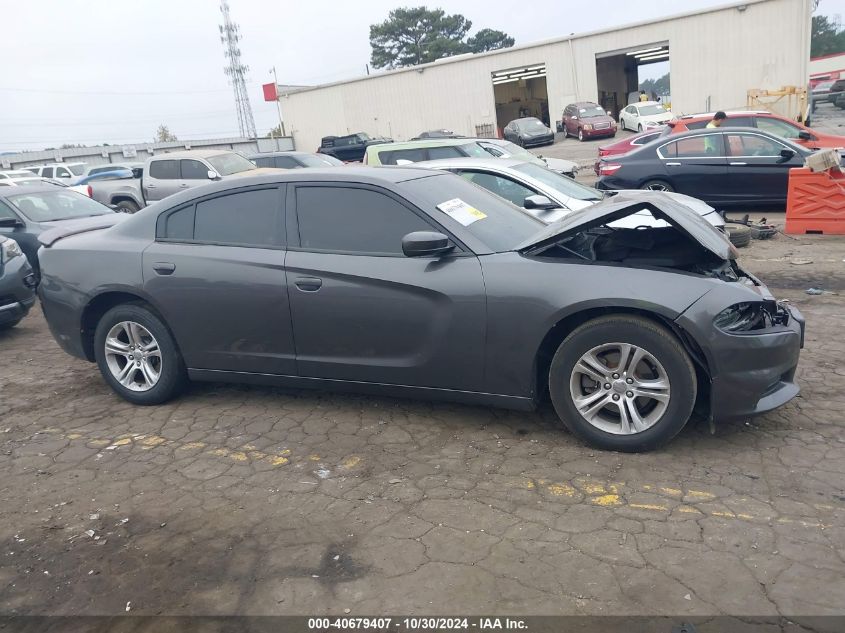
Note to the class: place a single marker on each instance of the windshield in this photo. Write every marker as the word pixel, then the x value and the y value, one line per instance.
pixel 76 170
pixel 823 85
pixel 531 125
pixel 475 150
pixel 507 149
pixel 559 182
pixel 591 111
pixel 503 225
pixel 648 110
pixel 227 164
pixel 320 161
pixel 364 136
pixel 48 206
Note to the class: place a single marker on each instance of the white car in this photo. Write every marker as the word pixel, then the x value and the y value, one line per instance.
pixel 639 117
pixel 61 171
pixel 549 196
pixel 15 174
pixel 31 179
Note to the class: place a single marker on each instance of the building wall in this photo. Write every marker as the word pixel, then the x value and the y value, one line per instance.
pixel 715 57
pixel 826 64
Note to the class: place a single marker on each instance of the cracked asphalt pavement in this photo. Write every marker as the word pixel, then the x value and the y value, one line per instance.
pixel 251 500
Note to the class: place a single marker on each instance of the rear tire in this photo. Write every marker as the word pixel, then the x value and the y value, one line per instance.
pixel 658 185
pixel 654 414
pixel 127 206
pixel 136 335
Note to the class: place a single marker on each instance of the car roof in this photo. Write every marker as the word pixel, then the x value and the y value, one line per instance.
pixel 584 103
pixel 710 115
pixel 24 189
pixel 280 153
pixel 193 153
pixel 645 103
pixel 525 118
pixel 499 164
pixel 425 142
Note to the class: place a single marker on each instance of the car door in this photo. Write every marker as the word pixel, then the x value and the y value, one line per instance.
pixel 162 179
pixel 757 172
pixel 63 173
pixel 567 120
pixel 346 147
pixel 217 273
pixel 362 311
pixel 192 173
pixel 695 165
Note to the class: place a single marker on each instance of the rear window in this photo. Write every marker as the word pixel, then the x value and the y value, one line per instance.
pixel 228 164
pixel 319 161
pixel 393 157
pixel 76 170
pixel 164 169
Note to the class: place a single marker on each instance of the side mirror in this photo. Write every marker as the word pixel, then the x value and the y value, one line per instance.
pixel 804 135
pixel 213 175
pixel 425 244
pixel 786 154
pixel 539 202
pixel 10 222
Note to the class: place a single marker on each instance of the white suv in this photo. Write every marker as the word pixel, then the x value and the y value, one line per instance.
pixel 61 171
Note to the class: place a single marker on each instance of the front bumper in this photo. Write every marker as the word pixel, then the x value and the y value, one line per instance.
pixel 603 133
pixel 753 372
pixel 538 140
pixel 17 290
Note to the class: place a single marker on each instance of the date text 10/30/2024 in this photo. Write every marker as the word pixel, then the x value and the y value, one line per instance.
pixel 415 624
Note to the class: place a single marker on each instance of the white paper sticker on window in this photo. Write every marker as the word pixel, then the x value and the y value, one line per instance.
pixel 461 212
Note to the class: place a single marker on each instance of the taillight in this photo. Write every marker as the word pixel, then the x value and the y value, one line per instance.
pixel 90 191
pixel 603 152
pixel 608 169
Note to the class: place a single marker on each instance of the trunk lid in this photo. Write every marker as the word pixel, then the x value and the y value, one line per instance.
pixel 65 228
pixel 624 204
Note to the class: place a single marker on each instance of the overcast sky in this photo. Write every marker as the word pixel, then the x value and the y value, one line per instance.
pixel 113 70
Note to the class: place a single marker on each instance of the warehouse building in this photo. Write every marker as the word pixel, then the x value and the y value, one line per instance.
pixel 715 56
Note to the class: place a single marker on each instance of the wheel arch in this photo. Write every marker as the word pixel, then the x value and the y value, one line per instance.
pixel 104 301
pixel 569 322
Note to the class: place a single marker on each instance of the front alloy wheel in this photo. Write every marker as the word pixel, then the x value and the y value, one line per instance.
pixel 133 356
pixel 620 388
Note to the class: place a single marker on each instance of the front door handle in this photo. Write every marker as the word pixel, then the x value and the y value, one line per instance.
pixel 739 163
pixel 149 186
pixel 308 284
pixel 673 164
pixel 184 184
pixel 164 268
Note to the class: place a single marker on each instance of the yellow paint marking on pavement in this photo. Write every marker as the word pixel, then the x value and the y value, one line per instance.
pixel 689 510
pixel 191 446
pixel 249 447
pixel 606 500
pixel 238 456
pixel 350 462
pixel 74 436
pixel 528 484
pixel 219 452
pixel 123 441
pixel 152 440
pixel 257 455
pixel 562 490
pixel 719 513
pixel 279 460
pixel 285 452
pixel 648 506
pixel 593 488
pixel 99 442
pixel 672 491
pixel 314 458
pixel 699 494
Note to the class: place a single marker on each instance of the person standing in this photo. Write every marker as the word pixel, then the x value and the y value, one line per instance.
pixel 643 96
pixel 712 141
pixel 717 119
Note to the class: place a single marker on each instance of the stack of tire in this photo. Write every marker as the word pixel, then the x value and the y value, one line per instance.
pixel 739 233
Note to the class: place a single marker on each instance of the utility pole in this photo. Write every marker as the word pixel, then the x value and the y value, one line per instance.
pixel 236 71
pixel 278 102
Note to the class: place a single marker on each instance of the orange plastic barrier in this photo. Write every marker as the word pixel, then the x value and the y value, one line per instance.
pixel 815 202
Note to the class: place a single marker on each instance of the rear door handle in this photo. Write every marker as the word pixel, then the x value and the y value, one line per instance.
pixel 308 284
pixel 149 186
pixel 184 184
pixel 673 164
pixel 164 268
pixel 739 163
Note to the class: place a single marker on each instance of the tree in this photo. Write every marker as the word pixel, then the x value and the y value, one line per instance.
pixel 163 134
pixel 489 40
pixel 276 132
pixel 827 38
pixel 659 86
pixel 412 36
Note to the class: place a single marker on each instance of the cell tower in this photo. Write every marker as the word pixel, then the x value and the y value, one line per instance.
pixel 230 35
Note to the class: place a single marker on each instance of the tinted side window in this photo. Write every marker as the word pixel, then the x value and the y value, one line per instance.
pixel 285 162
pixel 435 153
pixel 738 121
pixel 47 172
pixel 6 212
pixel 249 218
pixel 61 172
pixel 164 169
pixel 178 225
pixel 353 220
pixel 193 170
pixel 266 161
pixel 412 155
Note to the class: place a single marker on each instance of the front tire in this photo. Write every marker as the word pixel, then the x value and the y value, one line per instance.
pixel 622 124
pixel 126 206
pixel 581 134
pixel 623 383
pixel 137 355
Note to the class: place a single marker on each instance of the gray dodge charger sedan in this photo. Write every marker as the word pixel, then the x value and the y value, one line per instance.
pixel 411 282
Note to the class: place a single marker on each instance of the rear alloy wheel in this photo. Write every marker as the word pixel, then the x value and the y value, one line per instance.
pixel 581 134
pixel 137 355
pixel 126 206
pixel 658 185
pixel 622 383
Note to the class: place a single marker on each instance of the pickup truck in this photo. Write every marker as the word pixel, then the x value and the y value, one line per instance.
pixel 166 174
pixel 350 148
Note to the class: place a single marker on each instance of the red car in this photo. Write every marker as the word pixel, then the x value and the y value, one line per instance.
pixel 585 120
pixel 766 121
pixel 626 145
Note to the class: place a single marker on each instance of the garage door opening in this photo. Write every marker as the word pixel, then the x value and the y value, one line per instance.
pixel 621 74
pixel 520 92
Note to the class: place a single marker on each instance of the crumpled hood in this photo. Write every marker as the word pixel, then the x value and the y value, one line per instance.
pixel 622 205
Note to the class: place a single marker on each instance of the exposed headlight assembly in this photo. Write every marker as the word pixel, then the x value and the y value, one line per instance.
pixel 9 250
pixel 743 317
